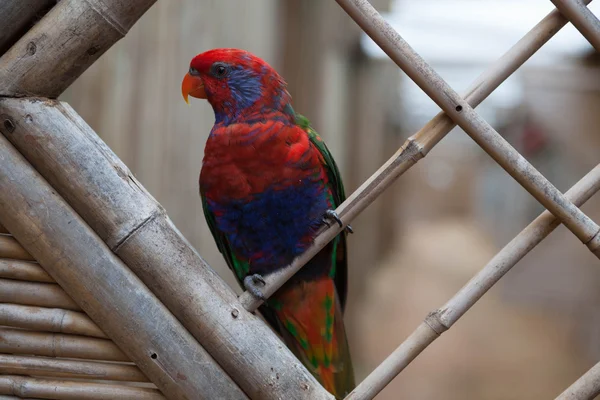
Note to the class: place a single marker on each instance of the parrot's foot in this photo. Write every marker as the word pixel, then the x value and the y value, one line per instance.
pixel 332 215
pixel 251 283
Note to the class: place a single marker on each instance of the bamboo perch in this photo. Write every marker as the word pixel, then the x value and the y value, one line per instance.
pixel 48 320
pixel 17 16
pixel 21 386
pixel 480 131
pixel 417 146
pixel 582 18
pixel 100 188
pixel 587 387
pixel 63 44
pixel 52 367
pixel 10 248
pixel 35 294
pixel 24 271
pixel 104 287
pixel 442 319
pixel 18 341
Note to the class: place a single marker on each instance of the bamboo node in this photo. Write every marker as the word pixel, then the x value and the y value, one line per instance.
pixel 433 321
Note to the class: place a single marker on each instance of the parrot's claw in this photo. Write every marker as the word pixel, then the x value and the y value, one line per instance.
pixel 332 215
pixel 251 283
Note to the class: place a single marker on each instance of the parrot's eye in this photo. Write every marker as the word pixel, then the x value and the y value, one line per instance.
pixel 194 71
pixel 220 70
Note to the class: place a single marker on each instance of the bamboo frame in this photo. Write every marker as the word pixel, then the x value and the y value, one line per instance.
pixel 582 18
pixel 82 169
pixel 10 248
pixel 35 294
pixel 52 367
pixel 24 271
pixel 48 320
pixel 443 318
pixel 417 147
pixel 104 287
pixel 72 390
pixel 18 341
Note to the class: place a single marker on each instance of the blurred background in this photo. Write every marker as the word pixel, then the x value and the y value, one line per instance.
pixel 535 332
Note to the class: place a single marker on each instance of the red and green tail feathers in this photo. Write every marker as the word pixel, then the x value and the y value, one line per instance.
pixel 311 324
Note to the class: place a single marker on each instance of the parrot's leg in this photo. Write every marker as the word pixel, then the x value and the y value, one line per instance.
pixel 332 215
pixel 251 283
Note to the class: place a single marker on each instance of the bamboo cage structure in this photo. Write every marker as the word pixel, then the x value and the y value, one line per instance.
pixel 101 297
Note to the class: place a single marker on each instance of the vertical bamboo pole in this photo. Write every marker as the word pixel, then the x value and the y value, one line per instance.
pixel 104 287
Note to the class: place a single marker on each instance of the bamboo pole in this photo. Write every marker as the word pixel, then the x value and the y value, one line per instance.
pixel 465 116
pixel 72 390
pixel 48 320
pixel 587 387
pixel 442 319
pixel 582 18
pixel 18 16
pixel 10 248
pixel 52 367
pixel 64 43
pixel 100 188
pixel 417 147
pixel 35 294
pixel 24 271
pixel 104 287
pixel 18 341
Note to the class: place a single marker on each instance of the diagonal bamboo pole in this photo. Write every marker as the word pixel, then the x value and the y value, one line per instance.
pixel 67 40
pixel 465 116
pixel 26 387
pixel 104 287
pixel 582 18
pixel 82 169
pixel 59 368
pixel 417 146
pixel 587 387
pixel 442 319
pixel 48 320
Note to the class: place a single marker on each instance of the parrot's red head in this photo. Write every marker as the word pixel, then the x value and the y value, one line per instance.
pixel 236 83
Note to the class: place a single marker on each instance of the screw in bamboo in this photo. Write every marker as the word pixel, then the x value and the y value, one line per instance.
pixel 363 13
pixel 18 16
pixel 417 146
pixel 582 18
pixel 442 319
pixel 58 368
pixel 64 43
pixel 24 271
pixel 21 386
pixel 10 248
pixel 101 189
pixel 35 294
pixel 587 387
pixel 104 287
pixel 48 320
pixel 18 341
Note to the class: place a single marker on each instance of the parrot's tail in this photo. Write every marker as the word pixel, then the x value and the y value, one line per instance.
pixel 311 324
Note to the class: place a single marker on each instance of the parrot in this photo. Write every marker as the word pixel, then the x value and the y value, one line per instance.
pixel 268 184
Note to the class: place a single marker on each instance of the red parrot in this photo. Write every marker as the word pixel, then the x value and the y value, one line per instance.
pixel 268 183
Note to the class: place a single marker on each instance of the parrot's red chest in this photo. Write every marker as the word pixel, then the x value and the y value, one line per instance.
pixel 241 160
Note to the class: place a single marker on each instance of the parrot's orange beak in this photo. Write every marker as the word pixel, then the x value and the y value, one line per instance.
pixel 192 86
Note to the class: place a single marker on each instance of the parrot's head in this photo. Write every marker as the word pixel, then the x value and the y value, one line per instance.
pixel 235 83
